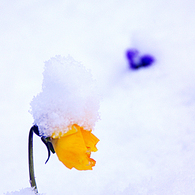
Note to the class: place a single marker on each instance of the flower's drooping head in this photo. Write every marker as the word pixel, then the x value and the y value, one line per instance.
pixel 65 111
pixel 74 148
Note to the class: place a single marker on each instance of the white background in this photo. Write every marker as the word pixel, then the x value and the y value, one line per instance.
pixel 147 126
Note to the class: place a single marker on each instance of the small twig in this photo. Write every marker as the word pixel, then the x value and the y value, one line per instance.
pixel 30 161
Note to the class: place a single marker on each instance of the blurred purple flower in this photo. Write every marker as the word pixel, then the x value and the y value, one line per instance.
pixel 136 61
pixel 146 60
pixel 131 54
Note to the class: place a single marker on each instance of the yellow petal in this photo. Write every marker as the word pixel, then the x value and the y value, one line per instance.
pixel 90 140
pixel 74 148
pixel 57 134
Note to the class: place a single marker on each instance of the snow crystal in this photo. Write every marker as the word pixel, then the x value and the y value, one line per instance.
pixel 25 191
pixel 68 96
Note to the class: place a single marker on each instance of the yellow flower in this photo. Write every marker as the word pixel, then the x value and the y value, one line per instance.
pixel 74 147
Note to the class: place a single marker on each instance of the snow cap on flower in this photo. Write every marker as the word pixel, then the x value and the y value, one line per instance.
pixel 69 96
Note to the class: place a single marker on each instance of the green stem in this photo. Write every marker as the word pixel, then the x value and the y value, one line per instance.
pixel 30 161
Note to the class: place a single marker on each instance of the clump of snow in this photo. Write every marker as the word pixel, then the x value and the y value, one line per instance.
pixel 25 191
pixel 69 96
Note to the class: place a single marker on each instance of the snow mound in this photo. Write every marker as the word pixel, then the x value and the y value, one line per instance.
pixel 25 191
pixel 69 96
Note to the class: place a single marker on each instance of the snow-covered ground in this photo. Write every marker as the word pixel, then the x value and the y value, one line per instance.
pixel 147 126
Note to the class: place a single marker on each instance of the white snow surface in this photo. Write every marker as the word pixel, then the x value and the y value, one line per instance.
pixel 69 96
pixel 25 191
pixel 147 117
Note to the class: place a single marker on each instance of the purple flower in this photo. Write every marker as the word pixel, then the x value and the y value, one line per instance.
pixel 132 53
pixel 136 61
pixel 146 60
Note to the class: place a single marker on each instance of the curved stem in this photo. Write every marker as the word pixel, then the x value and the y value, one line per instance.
pixel 30 161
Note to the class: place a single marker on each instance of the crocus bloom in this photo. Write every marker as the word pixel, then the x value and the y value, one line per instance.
pixel 74 147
